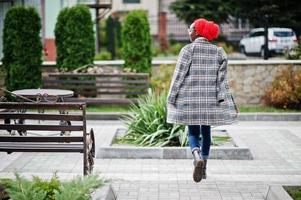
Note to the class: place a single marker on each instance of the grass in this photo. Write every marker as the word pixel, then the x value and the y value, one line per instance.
pixel 218 140
pixel 247 109
pixel 294 191
pixel 243 109
pixel 108 108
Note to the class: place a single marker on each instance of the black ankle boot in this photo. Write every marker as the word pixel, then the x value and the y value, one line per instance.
pixel 198 165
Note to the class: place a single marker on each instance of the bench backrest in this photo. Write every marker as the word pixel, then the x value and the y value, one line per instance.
pixel 33 121
pixel 92 85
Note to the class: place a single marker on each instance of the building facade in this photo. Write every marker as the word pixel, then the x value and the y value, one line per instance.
pixel 164 25
pixel 48 11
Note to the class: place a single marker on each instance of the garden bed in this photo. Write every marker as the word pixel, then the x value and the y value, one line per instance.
pixel 89 187
pixel 293 191
pixel 278 192
pixel 221 150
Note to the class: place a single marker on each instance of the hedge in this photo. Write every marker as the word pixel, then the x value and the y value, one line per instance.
pixel 22 48
pixel 136 44
pixel 74 38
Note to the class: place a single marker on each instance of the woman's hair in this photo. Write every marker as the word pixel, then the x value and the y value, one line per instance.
pixel 206 29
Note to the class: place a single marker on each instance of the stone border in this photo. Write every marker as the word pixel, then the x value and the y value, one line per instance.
pixel 228 153
pixel 241 116
pixel 277 192
pixel 106 192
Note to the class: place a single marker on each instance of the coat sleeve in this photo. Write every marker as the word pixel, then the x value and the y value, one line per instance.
pixel 181 70
pixel 222 83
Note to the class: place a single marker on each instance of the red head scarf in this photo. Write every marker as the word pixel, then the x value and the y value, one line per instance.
pixel 206 29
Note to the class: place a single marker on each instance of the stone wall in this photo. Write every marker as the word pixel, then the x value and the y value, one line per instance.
pixel 249 79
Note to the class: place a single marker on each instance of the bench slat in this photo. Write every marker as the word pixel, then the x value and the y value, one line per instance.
pixel 41 139
pixel 41 105
pixel 80 86
pixel 42 116
pixel 90 82
pixel 40 127
pixel 145 75
pixel 121 92
pixel 97 101
pixel 42 147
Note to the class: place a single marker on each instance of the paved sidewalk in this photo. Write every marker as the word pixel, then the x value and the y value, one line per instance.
pixel 276 147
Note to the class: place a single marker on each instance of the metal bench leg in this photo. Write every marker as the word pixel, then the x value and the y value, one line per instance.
pixel 91 153
pixel 85 157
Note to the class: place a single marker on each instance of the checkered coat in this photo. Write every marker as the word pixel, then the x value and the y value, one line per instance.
pixel 198 85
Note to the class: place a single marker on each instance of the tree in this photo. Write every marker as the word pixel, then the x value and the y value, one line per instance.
pixel 74 38
pixel 278 12
pixel 137 42
pixel 113 35
pixel 189 10
pixel 22 48
pixel 110 36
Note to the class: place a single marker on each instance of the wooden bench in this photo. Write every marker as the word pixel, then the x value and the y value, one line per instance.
pixel 91 88
pixel 41 141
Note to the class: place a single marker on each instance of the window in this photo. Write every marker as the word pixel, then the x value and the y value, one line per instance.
pixel 256 34
pixel 253 34
pixel 131 1
pixel 283 33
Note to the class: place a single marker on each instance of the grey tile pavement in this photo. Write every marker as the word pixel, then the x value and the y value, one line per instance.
pixel 275 146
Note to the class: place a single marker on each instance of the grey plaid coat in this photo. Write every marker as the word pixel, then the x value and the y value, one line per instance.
pixel 199 82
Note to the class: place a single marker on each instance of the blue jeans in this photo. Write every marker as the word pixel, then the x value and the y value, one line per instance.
pixel 194 132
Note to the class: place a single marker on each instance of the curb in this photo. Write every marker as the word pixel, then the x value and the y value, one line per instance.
pixel 106 192
pixel 241 116
pixel 240 152
pixel 228 153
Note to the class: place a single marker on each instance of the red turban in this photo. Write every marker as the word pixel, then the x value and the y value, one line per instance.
pixel 206 29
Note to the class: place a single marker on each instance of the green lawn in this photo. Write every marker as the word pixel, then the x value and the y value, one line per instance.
pixel 108 108
pixel 243 109
pixel 246 109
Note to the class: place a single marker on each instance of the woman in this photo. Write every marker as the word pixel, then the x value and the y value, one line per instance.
pixel 199 95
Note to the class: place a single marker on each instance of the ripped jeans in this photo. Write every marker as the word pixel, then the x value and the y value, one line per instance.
pixel 194 132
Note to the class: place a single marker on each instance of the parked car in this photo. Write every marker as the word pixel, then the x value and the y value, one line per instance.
pixel 279 41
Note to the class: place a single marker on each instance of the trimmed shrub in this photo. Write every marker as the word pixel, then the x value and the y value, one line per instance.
pixel 37 189
pixel 285 90
pixel 176 48
pixel 294 53
pixel 74 38
pixel 136 43
pixel 161 79
pixel 22 48
pixel 61 36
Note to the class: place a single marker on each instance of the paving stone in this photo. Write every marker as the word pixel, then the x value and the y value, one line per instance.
pixel 274 145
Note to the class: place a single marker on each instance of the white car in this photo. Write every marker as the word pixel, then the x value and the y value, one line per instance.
pixel 279 40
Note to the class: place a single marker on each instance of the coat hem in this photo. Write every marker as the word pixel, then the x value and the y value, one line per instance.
pixel 201 123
